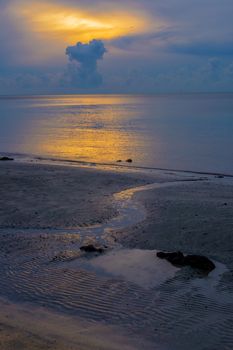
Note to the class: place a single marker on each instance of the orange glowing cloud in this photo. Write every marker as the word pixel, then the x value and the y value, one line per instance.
pixel 54 26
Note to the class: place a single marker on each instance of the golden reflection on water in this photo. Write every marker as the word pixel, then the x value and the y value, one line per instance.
pixel 170 131
pixel 86 145
pixel 89 128
pixel 86 100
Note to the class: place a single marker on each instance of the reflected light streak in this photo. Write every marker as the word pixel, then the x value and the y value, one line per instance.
pixel 85 129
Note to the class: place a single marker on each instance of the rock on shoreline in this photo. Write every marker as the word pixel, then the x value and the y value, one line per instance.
pixel 6 158
pixel 195 261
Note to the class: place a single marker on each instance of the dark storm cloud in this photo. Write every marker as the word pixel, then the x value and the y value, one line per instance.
pixel 82 69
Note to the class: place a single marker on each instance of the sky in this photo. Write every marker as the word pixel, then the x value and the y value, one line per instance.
pixel 109 46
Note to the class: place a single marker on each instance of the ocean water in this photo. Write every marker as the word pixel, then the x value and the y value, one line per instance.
pixel 187 132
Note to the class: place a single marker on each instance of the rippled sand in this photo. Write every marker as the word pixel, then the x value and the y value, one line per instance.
pixel 33 328
pixel 124 299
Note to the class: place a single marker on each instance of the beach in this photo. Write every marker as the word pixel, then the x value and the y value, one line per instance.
pixel 54 296
pixel 116 175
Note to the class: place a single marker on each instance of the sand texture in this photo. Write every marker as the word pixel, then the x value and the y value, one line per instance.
pixel 35 196
pixel 195 217
pixel 62 298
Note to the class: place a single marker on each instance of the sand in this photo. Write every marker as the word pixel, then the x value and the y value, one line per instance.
pixel 36 196
pixel 126 298
pixel 194 217
pixel 28 327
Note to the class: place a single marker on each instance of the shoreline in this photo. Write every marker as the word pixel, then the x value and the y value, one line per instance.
pixel 24 158
pixel 78 284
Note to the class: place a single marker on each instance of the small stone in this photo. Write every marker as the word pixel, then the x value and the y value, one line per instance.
pixel 129 160
pixel 90 248
pixel 6 158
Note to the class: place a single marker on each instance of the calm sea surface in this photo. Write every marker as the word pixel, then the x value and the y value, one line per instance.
pixel 193 132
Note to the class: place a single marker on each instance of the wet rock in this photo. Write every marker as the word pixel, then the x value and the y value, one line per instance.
pixel 199 262
pixel 119 161
pixel 6 158
pixel 129 160
pixel 90 248
pixel 175 258
pixel 195 261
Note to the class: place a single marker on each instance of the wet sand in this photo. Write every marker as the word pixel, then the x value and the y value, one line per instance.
pixel 195 217
pixel 48 212
pixel 30 327
pixel 36 196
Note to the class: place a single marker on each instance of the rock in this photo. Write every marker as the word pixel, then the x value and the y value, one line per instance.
pixel 176 258
pixel 90 248
pixel 129 160
pixel 195 261
pixel 199 262
pixel 6 158
pixel 219 177
pixel 119 161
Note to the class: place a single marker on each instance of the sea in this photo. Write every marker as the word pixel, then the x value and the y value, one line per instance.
pixel 191 132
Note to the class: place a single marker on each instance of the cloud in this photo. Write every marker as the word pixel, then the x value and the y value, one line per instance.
pixel 137 41
pixel 83 58
pixel 162 45
pixel 44 28
pixel 204 48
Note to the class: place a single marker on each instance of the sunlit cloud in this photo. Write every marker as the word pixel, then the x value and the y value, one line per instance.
pixel 160 45
pixel 60 25
pixel 71 24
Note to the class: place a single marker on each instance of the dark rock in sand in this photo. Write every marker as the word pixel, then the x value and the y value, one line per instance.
pixel 195 261
pixel 119 161
pixel 199 262
pixel 90 248
pixel 6 158
pixel 129 160
pixel 176 258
